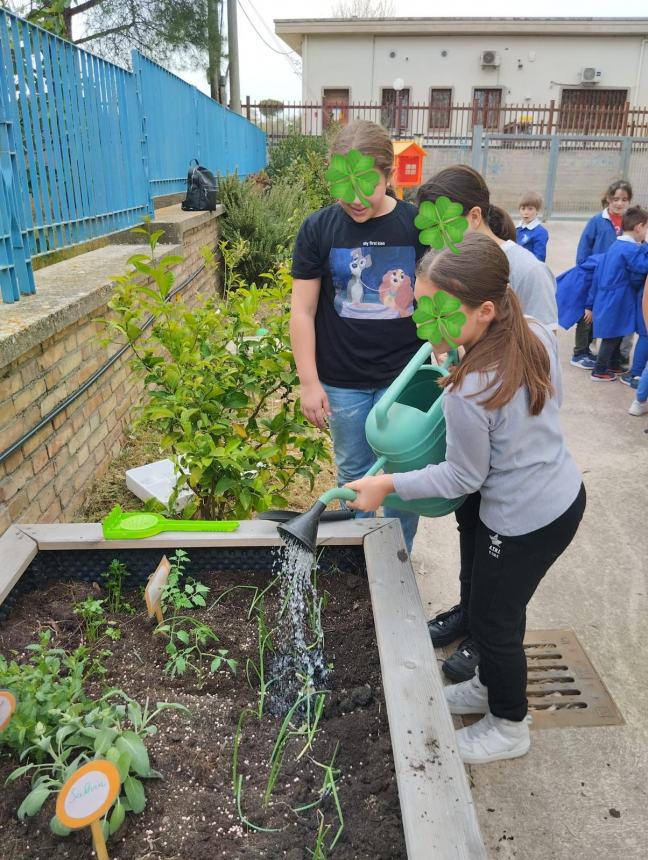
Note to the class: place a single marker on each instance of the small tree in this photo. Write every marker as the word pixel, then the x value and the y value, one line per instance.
pixel 363 9
pixel 222 397
pixel 270 108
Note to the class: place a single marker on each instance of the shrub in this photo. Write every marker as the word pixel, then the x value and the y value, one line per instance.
pixel 302 159
pixel 267 219
pixel 220 396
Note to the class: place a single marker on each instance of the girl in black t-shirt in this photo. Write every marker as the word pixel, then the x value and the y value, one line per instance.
pixel 353 292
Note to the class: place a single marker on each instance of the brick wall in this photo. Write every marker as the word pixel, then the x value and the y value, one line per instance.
pixel 46 479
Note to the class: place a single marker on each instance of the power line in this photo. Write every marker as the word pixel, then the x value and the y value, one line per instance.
pixel 267 44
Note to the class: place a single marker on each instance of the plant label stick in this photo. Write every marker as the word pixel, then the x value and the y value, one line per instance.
pixel 86 796
pixel 154 588
pixel 7 707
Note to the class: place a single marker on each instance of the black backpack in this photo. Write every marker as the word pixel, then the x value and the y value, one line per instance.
pixel 201 189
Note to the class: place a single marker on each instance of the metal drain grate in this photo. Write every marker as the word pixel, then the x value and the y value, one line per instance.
pixel 563 688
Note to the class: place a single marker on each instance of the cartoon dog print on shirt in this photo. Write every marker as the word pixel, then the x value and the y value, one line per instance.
pixel 373 283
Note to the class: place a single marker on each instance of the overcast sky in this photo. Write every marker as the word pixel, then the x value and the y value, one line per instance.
pixel 267 73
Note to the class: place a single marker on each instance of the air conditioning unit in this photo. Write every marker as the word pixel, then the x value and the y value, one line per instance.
pixel 490 59
pixel 591 75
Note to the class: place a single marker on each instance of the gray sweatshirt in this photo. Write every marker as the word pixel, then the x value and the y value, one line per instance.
pixel 518 462
pixel 533 283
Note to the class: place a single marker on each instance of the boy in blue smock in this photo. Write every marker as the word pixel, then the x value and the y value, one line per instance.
pixel 529 232
pixel 613 301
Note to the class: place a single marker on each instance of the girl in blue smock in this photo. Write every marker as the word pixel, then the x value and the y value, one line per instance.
pixel 613 303
pixel 600 232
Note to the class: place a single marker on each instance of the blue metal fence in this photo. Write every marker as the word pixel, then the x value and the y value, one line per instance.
pixel 85 144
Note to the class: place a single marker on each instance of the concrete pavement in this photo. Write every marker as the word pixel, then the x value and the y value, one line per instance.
pixel 579 793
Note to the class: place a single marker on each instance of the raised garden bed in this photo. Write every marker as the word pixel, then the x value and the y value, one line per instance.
pixel 192 811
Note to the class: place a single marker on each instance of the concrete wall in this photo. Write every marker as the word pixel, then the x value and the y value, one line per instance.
pixel 49 346
pixel 363 64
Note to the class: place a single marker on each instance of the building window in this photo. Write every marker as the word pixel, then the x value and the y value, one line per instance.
pixel 440 108
pixel 487 104
pixel 336 106
pixel 590 111
pixel 394 102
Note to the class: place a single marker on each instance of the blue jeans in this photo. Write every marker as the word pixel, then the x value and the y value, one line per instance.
pixel 353 455
pixel 640 357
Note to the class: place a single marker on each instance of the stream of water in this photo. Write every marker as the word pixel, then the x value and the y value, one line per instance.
pixel 298 658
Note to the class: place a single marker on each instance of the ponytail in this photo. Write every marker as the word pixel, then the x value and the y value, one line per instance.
pixel 509 349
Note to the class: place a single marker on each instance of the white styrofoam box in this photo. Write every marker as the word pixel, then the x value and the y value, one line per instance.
pixel 157 481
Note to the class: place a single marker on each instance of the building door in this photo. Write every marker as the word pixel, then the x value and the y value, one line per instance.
pixel 591 111
pixel 336 107
pixel 488 102
pixel 391 110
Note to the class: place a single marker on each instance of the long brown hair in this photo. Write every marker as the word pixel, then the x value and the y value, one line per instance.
pixel 464 185
pixel 478 274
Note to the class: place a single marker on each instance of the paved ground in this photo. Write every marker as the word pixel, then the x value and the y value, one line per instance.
pixel 556 801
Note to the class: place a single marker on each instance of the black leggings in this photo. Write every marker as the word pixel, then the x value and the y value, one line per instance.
pixel 499 576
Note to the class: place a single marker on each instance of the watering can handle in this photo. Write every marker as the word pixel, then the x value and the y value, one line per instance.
pixel 404 378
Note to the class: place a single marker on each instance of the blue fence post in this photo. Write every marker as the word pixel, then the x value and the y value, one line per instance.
pixel 142 127
pixel 626 151
pixel 16 275
pixel 552 170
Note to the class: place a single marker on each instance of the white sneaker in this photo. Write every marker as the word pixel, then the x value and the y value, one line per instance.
pixel 468 697
pixel 492 739
pixel 638 407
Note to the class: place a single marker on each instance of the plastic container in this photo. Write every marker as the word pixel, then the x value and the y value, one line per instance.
pixel 157 481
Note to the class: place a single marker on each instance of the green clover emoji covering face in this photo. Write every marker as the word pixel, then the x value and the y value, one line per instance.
pixel 438 318
pixel 352 177
pixel 441 223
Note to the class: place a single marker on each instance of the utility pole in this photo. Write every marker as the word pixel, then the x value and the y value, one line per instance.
pixel 213 49
pixel 232 46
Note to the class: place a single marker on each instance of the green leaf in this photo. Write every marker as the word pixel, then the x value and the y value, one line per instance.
pixel 135 794
pixel 438 318
pixel 57 827
pixel 352 176
pixel 33 802
pixel 441 223
pixel 132 744
pixel 183 636
pixel 117 817
pixel 104 740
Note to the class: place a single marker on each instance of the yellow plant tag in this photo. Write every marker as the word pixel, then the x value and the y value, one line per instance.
pixel 154 588
pixel 7 707
pixel 86 796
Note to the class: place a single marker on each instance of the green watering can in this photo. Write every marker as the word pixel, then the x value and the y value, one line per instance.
pixel 406 430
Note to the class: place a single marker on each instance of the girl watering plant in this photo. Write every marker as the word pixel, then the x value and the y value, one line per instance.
pixel 504 442
pixel 351 326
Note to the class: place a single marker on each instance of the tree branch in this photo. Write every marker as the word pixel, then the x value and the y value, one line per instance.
pixel 103 33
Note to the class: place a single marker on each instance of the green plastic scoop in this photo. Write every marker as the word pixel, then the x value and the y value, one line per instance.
pixel 119 525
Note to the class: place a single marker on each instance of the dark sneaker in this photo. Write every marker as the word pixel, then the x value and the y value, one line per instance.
pixel 608 376
pixel 627 378
pixel 461 665
pixel 448 626
pixel 619 369
pixel 583 361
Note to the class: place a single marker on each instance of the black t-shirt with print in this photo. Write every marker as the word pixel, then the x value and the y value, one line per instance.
pixel 363 327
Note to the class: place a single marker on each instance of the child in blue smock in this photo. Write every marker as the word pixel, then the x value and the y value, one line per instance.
pixel 614 300
pixel 529 232
pixel 600 232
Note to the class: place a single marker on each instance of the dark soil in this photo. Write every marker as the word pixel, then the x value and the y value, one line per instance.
pixel 191 813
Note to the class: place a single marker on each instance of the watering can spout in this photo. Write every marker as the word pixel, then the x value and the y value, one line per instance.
pixel 303 528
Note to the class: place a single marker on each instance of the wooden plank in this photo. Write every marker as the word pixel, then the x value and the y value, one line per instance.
pixel 61 536
pixel 17 550
pixel 439 818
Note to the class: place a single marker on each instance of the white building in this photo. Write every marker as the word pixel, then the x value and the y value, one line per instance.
pixel 578 63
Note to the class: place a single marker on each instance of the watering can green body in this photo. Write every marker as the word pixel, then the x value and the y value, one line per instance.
pixel 406 430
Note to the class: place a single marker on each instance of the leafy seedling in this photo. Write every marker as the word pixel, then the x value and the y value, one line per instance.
pixel 438 318
pixel 441 223
pixel 352 176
